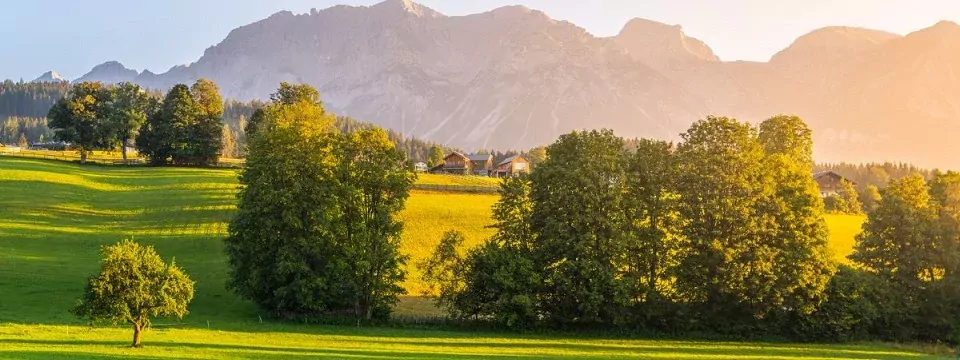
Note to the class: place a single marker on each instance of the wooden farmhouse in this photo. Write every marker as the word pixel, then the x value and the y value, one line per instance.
pixel 481 164
pixel 460 164
pixel 512 166
pixel 829 182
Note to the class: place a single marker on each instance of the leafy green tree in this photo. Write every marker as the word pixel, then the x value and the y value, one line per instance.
pixel 373 182
pixel 316 228
pixel 911 242
pixel 203 137
pixel 281 253
pixel 436 156
pixel 163 136
pixel 22 141
pixel 289 94
pixel 256 120
pixel 133 286
pixel 789 136
pixel 728 263
pixel 80 118
pixel 650 203
pixel 229 146
pixel 444 272
pixel 498 279
pixel 537 155
pixel 945 193
pixel 794 226
pixel 187 127
pixel 878 176
pixel 128 110
pixel 578 215
pixel 869 198
pixel 502 272
pixel 848 200
pixel 899 240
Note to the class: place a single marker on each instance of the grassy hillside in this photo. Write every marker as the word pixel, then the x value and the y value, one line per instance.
pixel 55 215
pixel 440 179
pixel 260 341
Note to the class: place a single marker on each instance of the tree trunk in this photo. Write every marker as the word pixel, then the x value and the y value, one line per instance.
pixel 83 156
pixel 123 150
pixel 136 335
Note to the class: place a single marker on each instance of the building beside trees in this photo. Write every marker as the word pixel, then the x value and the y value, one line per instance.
pixel 829 182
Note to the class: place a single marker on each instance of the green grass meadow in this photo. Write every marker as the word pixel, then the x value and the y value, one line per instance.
pixel 54 216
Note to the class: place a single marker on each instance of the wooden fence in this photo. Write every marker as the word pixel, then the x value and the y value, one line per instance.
pixel 94 159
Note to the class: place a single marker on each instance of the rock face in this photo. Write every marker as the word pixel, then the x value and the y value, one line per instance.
pixel 663 47
pixel 50 76
pixel 109 72
pixel 515 78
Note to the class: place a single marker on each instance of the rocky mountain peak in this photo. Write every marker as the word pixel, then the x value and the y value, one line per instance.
pixel 661 46
pixel 50 76
pixel 513 78
pixel 109 72
pixel 831 43
pixel 940 33
pixel 407 7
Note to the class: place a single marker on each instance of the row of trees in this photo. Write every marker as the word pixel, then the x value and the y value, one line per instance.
pixel 184 127
pixel 29 103
pixel 315 230
pixel 723 232
pixel 24 130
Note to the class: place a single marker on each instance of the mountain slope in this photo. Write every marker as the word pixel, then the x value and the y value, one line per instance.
pixel 49 76
pixel 515 78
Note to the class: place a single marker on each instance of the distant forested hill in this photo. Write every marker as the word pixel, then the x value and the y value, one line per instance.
pixel 31 100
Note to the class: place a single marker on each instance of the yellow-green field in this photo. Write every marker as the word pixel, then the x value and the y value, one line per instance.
pixel 440 179
pixel 55 215
pixel 843 230
pixel 267 341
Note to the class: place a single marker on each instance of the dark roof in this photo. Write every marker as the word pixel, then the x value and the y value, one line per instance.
pixel 820 174
pixel 480 157
pixel 456 154
pixel 509 160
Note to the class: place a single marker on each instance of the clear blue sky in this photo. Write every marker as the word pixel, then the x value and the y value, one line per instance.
pixel 73 36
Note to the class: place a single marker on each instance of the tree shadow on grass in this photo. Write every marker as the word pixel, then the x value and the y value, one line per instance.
pixel 475 350
pixel 244 351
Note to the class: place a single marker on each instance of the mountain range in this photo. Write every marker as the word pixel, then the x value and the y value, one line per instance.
pixel 515 78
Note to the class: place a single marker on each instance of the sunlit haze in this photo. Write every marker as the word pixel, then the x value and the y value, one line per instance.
pixel 71 37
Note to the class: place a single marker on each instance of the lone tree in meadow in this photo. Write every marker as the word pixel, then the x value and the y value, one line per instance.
pixel 133 286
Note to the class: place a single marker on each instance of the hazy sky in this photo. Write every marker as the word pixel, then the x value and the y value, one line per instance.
pixel 73 36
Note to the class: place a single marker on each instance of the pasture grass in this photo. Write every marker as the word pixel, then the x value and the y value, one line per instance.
pixel 457 180
pixel 54 216
pixel 843 231
pixel 287 341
